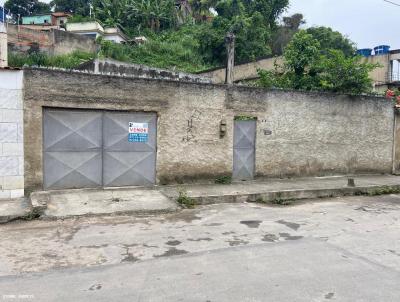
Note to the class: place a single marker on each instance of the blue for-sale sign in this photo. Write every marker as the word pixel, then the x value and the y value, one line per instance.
pixel 138 132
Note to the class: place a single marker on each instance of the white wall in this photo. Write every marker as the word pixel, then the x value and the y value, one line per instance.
pixel 114 38
pixel 11 134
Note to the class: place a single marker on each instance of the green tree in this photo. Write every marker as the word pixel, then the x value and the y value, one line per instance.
pixel 308 66
pixel 112 12
pixel 330 39
pixel 269 9
pixel 201 8
pixel 135 15
pixel 252 21
pixel 301 53
pixel 153 14
pixel 344 74
pixel 26 7
pixel 78 7
pixel 284 33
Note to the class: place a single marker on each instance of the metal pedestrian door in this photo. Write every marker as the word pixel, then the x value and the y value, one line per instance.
pixel 85 149
pixel 244 139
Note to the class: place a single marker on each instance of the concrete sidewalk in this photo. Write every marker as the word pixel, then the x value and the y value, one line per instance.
pixel 162 199
pixel 278 190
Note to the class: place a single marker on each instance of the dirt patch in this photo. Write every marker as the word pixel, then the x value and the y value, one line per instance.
pixel 329 296
pixel 187 216
pixel 214 224
pixel 173 242
pixel 237 242
pixel 253 224
pixel 95 287
pixel 270 238
pixel 287 236
pixel 130 258
pixel 291 225
pixel 172 252
pixel 200 239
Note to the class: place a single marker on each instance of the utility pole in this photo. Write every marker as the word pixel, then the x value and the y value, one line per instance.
pixel 391 2
pixel 230 64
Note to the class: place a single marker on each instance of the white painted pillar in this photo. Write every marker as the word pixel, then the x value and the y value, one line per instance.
pixel 3 46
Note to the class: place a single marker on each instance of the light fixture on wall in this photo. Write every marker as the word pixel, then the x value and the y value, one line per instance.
pixel 222 129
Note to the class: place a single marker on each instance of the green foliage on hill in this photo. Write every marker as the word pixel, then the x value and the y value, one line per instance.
pixel 193 39
pixel 169 49
pixel 39 59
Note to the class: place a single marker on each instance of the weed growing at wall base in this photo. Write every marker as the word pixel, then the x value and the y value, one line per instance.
pixel 184 200
pixel 224 180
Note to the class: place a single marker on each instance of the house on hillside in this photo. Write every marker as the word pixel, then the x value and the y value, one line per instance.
pixel 94 30
pixel 52 20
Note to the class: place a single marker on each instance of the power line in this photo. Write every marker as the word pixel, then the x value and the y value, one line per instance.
pixel 394 3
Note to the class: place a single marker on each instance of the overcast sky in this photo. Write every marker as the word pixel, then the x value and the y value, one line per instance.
pixel 367 22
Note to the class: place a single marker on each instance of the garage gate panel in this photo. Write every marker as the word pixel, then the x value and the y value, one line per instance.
pixel 125 162
pixel 85 149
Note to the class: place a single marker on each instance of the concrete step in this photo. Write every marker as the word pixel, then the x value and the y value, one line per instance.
pixel 92 202
pixel 12 209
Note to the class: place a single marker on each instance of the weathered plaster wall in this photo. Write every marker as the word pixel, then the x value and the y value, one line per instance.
pixel 312 133
pixel 66 42
pixel 11 134
pixel 52 42
pixel 318 134
pixel 246 71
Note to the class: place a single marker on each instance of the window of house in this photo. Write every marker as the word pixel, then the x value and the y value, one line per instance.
pixel 61 22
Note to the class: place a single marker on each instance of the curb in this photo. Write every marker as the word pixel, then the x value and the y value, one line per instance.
pixel 293 195
pixel 39 201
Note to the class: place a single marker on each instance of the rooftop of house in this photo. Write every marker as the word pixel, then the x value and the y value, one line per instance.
pixel 55 14
pixel 61 14
pixel 94 26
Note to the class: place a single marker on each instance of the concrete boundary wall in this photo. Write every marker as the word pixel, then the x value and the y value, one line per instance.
pixel 114 67
pixel 298 133
pixel 11 134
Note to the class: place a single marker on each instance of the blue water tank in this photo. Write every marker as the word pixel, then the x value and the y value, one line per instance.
pixel 366 52
pixel 382 49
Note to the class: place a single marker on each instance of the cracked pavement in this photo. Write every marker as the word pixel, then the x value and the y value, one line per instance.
pixel 368 227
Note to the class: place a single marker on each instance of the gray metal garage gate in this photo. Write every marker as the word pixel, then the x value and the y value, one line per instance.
pixel 85 149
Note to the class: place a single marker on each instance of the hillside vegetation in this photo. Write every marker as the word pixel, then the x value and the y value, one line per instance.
pixel 189 35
